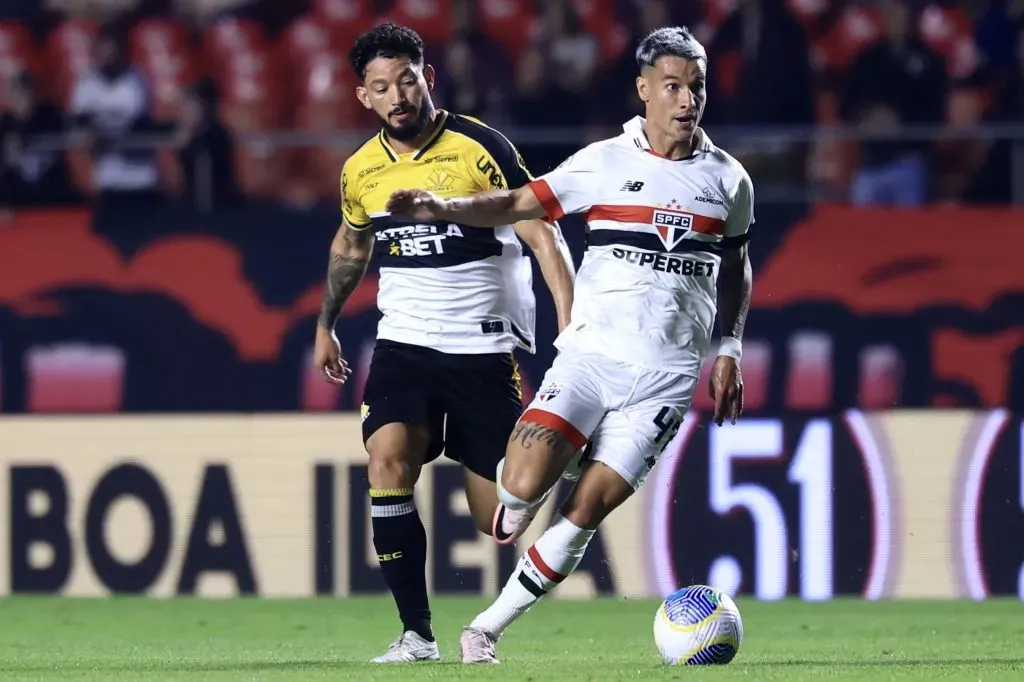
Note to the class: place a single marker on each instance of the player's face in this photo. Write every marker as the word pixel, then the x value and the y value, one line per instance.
pixel 674 92
pixel 398 91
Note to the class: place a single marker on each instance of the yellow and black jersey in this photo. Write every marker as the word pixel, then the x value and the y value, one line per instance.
pixel 445 286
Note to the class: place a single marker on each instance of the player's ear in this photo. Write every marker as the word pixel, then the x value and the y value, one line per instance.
pixel 363 97
pixel 643 89
pixel 429 75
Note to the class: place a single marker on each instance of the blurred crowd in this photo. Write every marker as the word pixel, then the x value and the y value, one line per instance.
pixel 166 99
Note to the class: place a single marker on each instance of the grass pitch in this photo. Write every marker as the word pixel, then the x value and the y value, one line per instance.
pixel 601 640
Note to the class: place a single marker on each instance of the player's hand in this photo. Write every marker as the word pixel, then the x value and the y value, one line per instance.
pixel 327 357
pixel 726 388
pixel 418 204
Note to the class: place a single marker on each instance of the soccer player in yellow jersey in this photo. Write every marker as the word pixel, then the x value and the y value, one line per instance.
pixel 455 303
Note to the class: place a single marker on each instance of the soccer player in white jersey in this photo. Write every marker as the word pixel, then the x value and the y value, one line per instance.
pixel 669 215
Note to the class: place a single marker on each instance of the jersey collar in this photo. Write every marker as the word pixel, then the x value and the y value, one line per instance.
pixel 443 117
pixel 634 129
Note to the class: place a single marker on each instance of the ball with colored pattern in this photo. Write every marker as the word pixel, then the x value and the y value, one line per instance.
pixel 698 625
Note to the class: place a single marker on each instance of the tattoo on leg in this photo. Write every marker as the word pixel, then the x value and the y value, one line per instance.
pixel 528 433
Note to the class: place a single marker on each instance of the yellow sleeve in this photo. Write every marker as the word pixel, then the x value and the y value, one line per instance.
pixel 351 209
pixel 497 163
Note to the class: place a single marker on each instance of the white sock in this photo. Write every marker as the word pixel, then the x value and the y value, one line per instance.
pixel 547 563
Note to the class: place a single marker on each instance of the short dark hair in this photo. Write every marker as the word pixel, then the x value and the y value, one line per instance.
pixel 389 41
pixel 669 41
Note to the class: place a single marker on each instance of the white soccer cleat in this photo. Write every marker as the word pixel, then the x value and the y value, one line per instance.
pixel 409 648
pixel 478 646
pixel 510 524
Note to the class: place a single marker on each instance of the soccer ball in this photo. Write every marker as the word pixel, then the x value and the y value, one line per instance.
pixel 698 625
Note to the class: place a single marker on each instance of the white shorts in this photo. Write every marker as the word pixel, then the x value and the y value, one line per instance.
pixel 628 414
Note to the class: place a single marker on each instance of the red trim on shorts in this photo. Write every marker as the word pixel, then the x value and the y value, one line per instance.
pixel 546 570
pixel 547 199
pixel 553 421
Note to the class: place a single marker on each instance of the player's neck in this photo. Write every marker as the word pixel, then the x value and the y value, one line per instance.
pixel 665 146
pixel 415 144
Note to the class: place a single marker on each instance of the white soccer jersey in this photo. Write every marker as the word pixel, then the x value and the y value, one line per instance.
pixel 646 291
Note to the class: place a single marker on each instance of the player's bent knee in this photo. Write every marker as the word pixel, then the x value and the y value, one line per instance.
pixel 390 470
pixel 521 487
pixel 396 455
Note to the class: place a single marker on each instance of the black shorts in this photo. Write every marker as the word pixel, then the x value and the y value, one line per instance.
pixel 470 403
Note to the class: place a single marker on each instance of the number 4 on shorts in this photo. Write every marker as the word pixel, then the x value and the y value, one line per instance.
pixel 668 421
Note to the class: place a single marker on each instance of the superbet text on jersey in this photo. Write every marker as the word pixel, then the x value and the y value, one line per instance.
pixel 646 290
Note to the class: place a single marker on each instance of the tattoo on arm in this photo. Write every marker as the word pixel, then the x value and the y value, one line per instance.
pixel 735 283
pixel 350 254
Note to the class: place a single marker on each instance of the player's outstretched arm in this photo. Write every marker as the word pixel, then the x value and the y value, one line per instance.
pixel 350 254
pixel 487 209
pixel 552 253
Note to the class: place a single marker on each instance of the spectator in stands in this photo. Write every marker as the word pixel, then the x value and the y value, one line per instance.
pixel 539 102
pixel 571 53
pixel 993 183
pixel 32 169
pixel 897 83
pixel 773 86
pixel 476 73
pixel 614 91
pixel 110 102
pixel 206 149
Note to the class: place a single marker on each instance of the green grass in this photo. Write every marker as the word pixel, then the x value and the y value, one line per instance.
pixel 603 640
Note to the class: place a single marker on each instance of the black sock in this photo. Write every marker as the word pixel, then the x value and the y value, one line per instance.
pixel 401 544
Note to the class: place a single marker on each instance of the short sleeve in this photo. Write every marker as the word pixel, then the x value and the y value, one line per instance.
pixel 741 213
pixel 499 165
pixel 351 209
pixel 570 188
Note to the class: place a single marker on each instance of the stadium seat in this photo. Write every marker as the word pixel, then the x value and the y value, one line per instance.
pixel 327 105
pixel 229 40
pixel 506 22
pixel 428 17
pixel 358 13
pixel 160 49
pixel 598 18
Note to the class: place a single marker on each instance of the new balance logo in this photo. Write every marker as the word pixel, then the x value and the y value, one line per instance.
pixel 632 186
